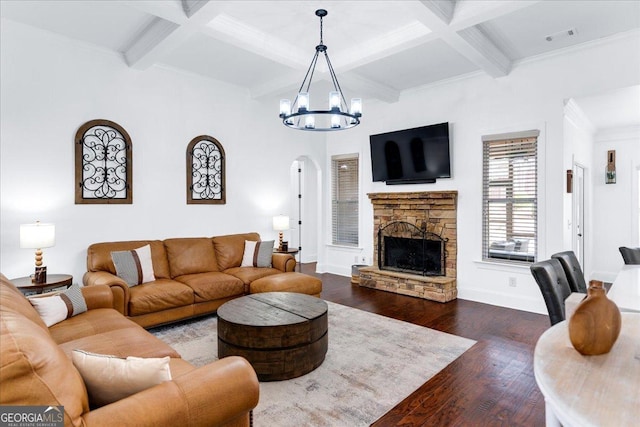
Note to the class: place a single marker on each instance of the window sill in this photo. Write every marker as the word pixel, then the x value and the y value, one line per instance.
pixel 344 248
pixel 502 266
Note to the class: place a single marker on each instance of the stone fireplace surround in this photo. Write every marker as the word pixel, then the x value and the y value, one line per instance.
pixel 435 211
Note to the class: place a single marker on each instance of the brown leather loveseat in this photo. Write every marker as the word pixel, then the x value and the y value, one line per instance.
pixel 194 276
pixel 36 368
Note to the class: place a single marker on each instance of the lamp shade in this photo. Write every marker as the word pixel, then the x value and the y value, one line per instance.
pixel 37 236
pixel 280 222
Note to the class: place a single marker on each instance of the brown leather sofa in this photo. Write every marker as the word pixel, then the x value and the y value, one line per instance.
pixel 36 369
pixel 194 276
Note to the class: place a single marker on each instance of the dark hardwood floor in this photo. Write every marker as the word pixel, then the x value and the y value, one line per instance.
pixel 491 384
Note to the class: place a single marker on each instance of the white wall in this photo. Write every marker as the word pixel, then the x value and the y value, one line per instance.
pixel 51 85
pixel 531 96
pixel 615 218
pixel 578 149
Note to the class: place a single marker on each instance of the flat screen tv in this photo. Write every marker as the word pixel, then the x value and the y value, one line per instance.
pixel 411 156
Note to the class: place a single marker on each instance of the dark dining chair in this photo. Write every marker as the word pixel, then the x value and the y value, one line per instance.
pixel 572 269
pixel 630 255
pixel 554 286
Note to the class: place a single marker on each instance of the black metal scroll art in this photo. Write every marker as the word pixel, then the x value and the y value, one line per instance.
pixel 104 163
pixel 207 171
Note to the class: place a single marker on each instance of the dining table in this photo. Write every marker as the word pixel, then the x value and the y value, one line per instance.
pixel 625 290
pixel 602 390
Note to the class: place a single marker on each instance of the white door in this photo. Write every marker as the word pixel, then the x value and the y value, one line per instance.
pixel 578 213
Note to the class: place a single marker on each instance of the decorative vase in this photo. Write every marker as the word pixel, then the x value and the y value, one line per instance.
pixel 595 325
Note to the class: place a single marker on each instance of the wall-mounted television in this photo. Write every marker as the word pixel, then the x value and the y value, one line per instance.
pixel 411 156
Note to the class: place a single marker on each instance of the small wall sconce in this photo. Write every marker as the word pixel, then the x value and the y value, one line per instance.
pixel 37 236
pixel 280 223
pixel 611 167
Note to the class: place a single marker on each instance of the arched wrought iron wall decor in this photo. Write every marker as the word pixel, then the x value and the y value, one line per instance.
pixel 205 171
pixel 103 164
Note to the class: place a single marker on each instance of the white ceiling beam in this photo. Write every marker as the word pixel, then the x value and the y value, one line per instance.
pixel 470 12
pixel 162 36
pixel 167 10
pixel 232 31
pixel 469 42
pixel 366 88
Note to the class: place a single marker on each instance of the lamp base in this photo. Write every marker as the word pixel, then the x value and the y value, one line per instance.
pixel 40 276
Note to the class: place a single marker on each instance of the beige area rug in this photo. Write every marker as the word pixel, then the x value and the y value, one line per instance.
pixel 372 364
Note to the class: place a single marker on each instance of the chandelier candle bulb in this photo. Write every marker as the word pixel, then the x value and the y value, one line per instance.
pixel 356 106
pixel 303 101
pixel 334 102
pixel 285 107
pixel 310 122
pixel 335 121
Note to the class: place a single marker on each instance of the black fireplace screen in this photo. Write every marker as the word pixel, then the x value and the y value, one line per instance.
pixel 404 247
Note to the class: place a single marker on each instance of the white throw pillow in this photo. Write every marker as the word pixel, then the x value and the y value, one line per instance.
pixel 135 266
pixel 110 378
pixel 257 254
pixel 56 307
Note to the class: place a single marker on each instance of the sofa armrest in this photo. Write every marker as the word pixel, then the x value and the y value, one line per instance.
pixel 283 262
pixel 98 296
pixel 212 395
pixel 119 288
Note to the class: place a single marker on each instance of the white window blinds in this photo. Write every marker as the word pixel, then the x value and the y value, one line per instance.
pixel 510 197
pixel 344 200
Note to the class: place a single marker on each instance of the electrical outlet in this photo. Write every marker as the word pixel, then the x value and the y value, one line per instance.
pixel 356 259
pixel 512 282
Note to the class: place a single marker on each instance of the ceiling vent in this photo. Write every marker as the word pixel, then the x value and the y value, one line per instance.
pixel 571 32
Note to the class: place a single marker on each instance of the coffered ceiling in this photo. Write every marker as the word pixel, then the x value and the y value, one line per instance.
pixel 378 48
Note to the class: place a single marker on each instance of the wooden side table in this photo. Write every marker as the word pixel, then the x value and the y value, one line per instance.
pixel 54 282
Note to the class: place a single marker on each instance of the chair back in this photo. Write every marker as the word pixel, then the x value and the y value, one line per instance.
pixel 630 255
pixel 554 286
pixel 572 269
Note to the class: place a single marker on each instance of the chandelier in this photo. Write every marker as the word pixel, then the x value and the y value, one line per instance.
pixel 299 115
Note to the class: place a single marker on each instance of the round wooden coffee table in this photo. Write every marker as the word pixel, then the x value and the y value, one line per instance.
pixel 282 334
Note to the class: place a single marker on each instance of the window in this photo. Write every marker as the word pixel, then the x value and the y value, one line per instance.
pixel 510 204
pixel 344 200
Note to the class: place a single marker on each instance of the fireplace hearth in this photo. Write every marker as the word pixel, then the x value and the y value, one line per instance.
pixel 404 247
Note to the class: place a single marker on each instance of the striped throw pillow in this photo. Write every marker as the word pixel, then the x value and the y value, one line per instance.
pixel 135 266
pixel 54 308
pixel 257 254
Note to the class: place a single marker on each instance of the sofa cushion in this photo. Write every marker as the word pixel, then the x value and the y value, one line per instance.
pixel 35 371
pixel 54 308
pixel 257 254
pixel 135 266
pixel 133 341
pixel 88 324
pixel 288 282
pixel 190 256
pixel 99 256
pixel 157 296
pixel 230 249
pixel 110 378
pixel 212 286
pixel 249 274
pixel 12 297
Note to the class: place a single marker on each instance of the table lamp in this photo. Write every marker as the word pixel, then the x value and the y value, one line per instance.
pixel 280 223
pixel 37 236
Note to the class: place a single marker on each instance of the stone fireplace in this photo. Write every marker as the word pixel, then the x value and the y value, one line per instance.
pixel 415 244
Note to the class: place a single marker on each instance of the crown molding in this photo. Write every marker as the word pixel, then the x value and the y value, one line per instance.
pixel 574 113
